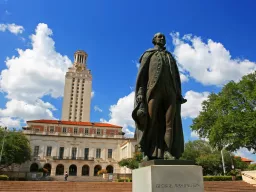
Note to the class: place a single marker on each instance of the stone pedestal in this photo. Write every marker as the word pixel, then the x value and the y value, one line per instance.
pixel 168 178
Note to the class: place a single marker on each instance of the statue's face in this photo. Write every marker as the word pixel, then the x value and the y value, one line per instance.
pixel 160 39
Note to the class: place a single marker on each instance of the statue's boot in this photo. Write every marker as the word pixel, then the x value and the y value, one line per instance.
pixel 168 156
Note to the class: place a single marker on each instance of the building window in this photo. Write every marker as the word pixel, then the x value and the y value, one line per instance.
pixel 36 150
pixel 111 133
pixel 61 152
pixel 37 130
pixel 98 132
pixel 86 153
pixel 49 151
pixel 74 150
pixel 98 153
pixel 51 129
pixel 86 131
pixel 109 153
pixel 64 130
pixel 75 130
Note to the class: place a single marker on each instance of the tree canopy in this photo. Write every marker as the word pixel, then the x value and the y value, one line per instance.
pixel 210 159
pixel 16 148
pixel 228 118
pixel 132 163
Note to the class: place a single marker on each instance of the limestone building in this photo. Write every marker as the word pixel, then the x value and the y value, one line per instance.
pixel 74 144
pixel 80 148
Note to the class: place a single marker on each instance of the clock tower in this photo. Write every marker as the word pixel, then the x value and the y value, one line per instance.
pixel 77 91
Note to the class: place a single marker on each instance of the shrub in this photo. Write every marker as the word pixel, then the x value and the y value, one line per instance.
pixel 220 178
pixel 124 180
pixel 4 177
pixel 102 171
pixel 251 167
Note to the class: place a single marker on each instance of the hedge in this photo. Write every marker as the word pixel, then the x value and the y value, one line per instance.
pixel 221 178
pixel 124 180
pixel 4 177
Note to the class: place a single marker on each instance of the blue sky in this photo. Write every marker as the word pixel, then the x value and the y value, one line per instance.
pixel 213 41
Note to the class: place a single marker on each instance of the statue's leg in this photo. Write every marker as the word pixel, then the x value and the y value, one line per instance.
pixel 169 118
pixel 156 128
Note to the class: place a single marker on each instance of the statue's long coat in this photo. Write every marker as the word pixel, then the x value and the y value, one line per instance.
pixel 142 82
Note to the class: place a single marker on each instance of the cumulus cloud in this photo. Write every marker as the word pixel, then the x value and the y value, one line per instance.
pixel 92 94
pixel 209 63
pixel 193 106
pixel 120 114
pixel 183 78
pixel 96 108
pixel 9 122
pixel 13 28
pixel 194 135
pixel 34 73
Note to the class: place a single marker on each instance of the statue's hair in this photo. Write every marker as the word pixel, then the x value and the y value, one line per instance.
pixel 153 40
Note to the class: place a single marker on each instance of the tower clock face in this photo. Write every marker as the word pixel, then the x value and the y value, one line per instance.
pixel 79 68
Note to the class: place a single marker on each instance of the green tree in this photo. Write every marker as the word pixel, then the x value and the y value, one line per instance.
pixel 239 164
pixel 251 167
pixel 228 118
pixel 210 159
pixel 194 149
pixel 211 163
pixel 132 163
pixel 16 148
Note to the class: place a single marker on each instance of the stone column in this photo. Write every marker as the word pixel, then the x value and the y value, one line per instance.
pixel 91 172
pixel 79 169
pixel 53 169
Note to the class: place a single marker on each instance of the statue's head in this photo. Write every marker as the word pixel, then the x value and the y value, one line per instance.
pixel 159 39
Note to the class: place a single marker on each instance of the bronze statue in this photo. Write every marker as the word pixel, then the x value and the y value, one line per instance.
pixel 157 105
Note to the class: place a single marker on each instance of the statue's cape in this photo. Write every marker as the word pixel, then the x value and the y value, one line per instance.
pixel 142 121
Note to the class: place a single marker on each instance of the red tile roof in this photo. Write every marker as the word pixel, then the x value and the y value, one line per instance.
pixel 46 121
pixel 244 159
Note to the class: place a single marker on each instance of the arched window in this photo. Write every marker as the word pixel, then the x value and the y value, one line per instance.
pixel 34 167
pixel 110 169
pixel 72 170
pixel 85 170
pixel 96 169
pixel 60 169
pixel 48 167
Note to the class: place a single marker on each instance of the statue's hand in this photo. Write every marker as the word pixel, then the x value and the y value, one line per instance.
pixel 183 100
pixel 139 98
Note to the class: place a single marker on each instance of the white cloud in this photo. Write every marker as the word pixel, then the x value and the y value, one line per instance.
pixel 243 152
pixel 209 63
pixel 96 108
pixel 120 114
pixel 183 78
pixel 13 28
pixel 136 63
pixel 9 122
pixel 194 135
pixel 193 106
pixel 32 74
pixel 92 94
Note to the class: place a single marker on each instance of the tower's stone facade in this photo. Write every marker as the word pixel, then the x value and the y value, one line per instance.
pixel 77 91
